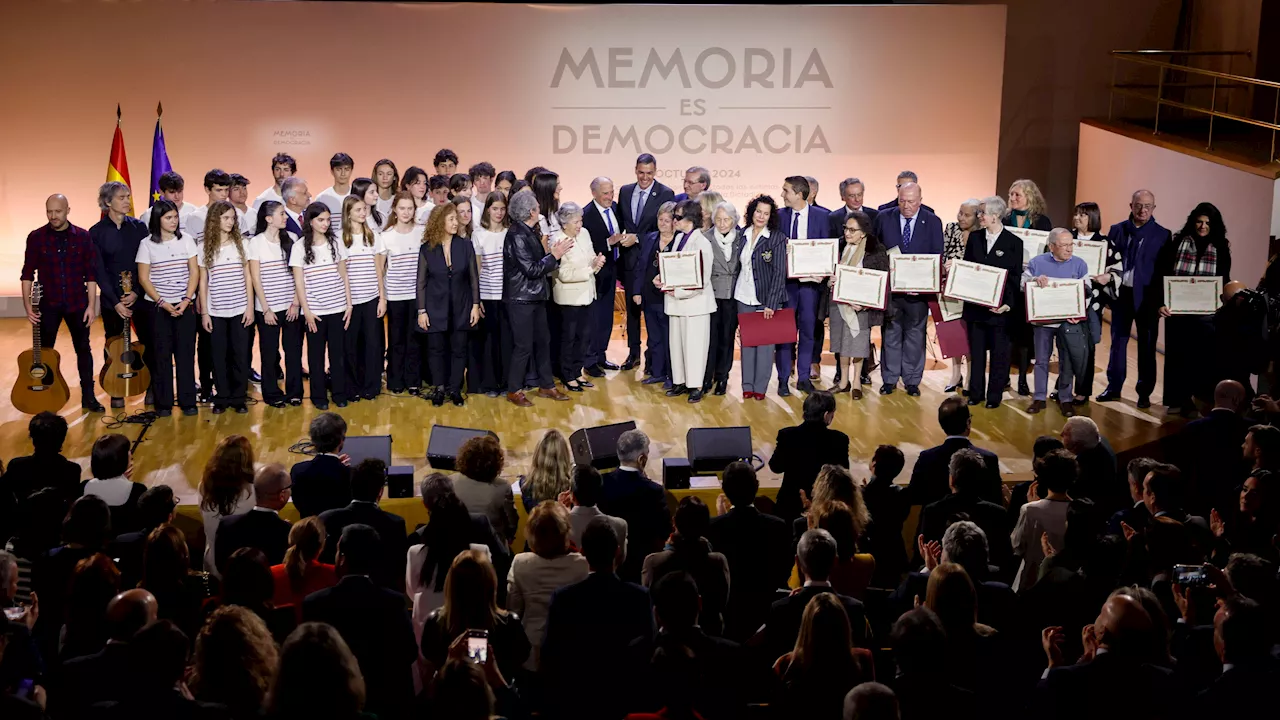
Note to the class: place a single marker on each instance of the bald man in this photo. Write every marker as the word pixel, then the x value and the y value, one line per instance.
pixel 1208 450
pixel 262 527
pixel 62 258
pixel 103 676
pixel 601 221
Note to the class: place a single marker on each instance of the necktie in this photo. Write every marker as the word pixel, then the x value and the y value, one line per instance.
pixel 795 224
pixel 608 221
pixel 639 207
pixel 906 234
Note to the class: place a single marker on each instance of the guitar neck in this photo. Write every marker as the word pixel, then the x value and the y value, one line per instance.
pixel 35 342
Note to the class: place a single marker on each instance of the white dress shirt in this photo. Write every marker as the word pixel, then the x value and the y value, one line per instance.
pixel 991 240
pixel 745 290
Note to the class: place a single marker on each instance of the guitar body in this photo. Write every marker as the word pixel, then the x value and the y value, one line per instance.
pixel 40 385
pixel 126 376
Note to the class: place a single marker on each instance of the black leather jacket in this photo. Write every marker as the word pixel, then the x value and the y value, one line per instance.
pixel 526 266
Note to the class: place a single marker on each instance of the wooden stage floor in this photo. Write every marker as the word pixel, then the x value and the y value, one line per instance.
pixel 176 448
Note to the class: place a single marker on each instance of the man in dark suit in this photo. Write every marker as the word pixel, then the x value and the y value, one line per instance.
pixel 372 620
pixel 915 230
pixel 815 557
pixel 156 507
pixel 904 177
pixel 697 180
pixel 800 221
pixel 296 198
pixel 929 477
pixel 657 363
pixel 851 192
pixel 965 544
pixel 630 495
pixel 590 624
pixel 1250 670
pixel 638 204
pixel 888 506
pixel 602 222
pixel 989 327
pixel 324 482
pixel 262 527
pixel 1135 516
pixel 968 470
pixel 1098 479
pixel 755 544
pixel 1208 449
pixel 104 675
pixel 156 662
pixel 46 467
pixel 801 451
pixel 367 483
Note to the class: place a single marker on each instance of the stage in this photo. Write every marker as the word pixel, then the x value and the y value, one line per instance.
pixel 175 449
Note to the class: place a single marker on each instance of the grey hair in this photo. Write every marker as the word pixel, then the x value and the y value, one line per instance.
pixel 667 208
pixel 816 553
pixel 522 205
pixel 964 540
pixel 995 205
pixel 728 208
pixel 290 186
pixel 1059 232
pixel 595 184
pixel 108 191
pixel 845 183
pixel 631 445
pixel 973 203
pixel 328 430
pixel 567 212
pixel 811 179
pixel 909 175
pixel 1136 193
pixel 8 568
pixel 1083 432
pixel 704 176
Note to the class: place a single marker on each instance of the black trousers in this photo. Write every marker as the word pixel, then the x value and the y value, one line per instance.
pixel 174 339
pixel 229 350
pixel 490 349
pixel 1188 351
pixel 204 358
pixel 270 338
pixel 143 322
pixel 447 356
pixel 601 321
pixel 987 336
pixel 531 344
pixel 330 336
pixel 634 312
pixel 819 322
pixel 1124 315
pixel 724 326
pixel 364 350
pixel 404 355
pixel 51 318
pixel 575 334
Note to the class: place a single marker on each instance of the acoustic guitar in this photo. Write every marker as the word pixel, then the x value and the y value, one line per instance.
pixel 40 385
pixel 125 374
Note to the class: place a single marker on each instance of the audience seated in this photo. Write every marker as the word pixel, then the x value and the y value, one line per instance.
pixel 824 664
pixel 372 620
pixel 234 660
pixel 800 452
pixel 888 506
pixel 248 583
pixel 1262 448
pixel 302 573
pixel 111 464
pixel 26 701
pixel 21 659
pixel 852 572
pixel 688 551
pixel 1043 521
pixel 629 494
pixel 584 497
pixel 157 663
pixel 323 482
pixel 923 681
pixel 471 603
pixel 871 701
pixel 967 472
pixel 1207 449
pixel 84 533
pixel 975 652
pixel 368 481
pixel 480 487
pixel 103 675
pixel 931 473
pixel 318 677
pixel 1249 664
pixel 45 467
pixel 965 544
pixel 1136 516
pixel 536 575
pixel 466 690
pixel 167 574
pixel 815 557
pixel 94 582
pixel 226 489
pixel 755 545
pixel 550 471
pixel 1098 479
pixel 156 507
pixel 450 530
pixel 833 484
pixel 1018 494
pixel 1250 524
pixel 261 528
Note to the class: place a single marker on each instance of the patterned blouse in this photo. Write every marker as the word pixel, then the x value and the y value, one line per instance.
pixel 953 242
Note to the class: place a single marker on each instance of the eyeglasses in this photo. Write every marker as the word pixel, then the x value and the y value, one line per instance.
pixel 677 217
pixel 1143 206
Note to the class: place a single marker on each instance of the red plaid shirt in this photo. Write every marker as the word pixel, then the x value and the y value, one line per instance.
pixel 63 261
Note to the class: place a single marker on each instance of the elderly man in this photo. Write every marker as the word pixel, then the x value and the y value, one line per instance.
pixel 283 167
pixel 600 219
pixel 1098 480
pixel 1071 336
pixel 107 674
pixel 1138 241
pixel 851 192
pixel 296 199
pixel 116 237
pixel 526 267
pixel 697 180
pixel 630 495
pixel 913 229
pixel 813 192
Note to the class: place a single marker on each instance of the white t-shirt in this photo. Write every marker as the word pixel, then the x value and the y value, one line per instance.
pixel 424 212
pixel 248 222
pixel 193 224
pixel 183 213
pixel 324 288
pixel 169 270
pixel 227 291
pixel 402 262
pixel 113 491
pixel 488 246
pixel 362 269
pixel 384 206
pixel 333 201
pixel 269 194
pixel 273 271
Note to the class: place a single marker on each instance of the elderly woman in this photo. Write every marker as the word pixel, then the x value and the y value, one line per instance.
pixel 536 575
pixel 709 200
pixel 1200 249
pixel 988 327
pixel 954 238
pixel 574 291
pixel 689 310
pixel 851 324
pixel 1086 224
pixel 726 240
pixel 1058 264
pixel 761 286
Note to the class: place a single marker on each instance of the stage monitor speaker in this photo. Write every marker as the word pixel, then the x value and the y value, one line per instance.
pixel 443 445
pixel 676 473
pixel 598 446
pixel 363 447
pixel 712 449
pixel 400 481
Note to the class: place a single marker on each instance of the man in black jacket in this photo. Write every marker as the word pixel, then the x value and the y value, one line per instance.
pixel 157 662
pixel 46 467
pixel 368 481
pixel 929 476
pixel 967 471
pixel 815 557
pixel 965 544
pixel 104 675
pixel 262 527
pixel 1208 449
pixel 801 451
pixel 526 267
pixel 629 494
pixel 602 221
pixel 638 204
pixel 1098 479
pixel 1249 669
pixel 156 507
pixel 887 503
pixel 323 482
pixel 1137 515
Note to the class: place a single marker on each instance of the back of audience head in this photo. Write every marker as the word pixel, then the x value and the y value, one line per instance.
pixel 165 559
pixel 306 542
pixel 470 594
pixel 816 554
pixel 129 612
pixel 887 463
pixel 88 524
pixel 819 406
pixel 1137 471
pixel 871 701
pixel 587 485
pixel 966 470
pixel 481 458
pixel 919 643
pixel 228 475
pixel 462 693
pixel 965 544
pixel 692 518
pixel 110 456
pixel 951 595
pixel 833 483
pixel 158 657
pixel 48 431
pixel 1253 577
pixel 1262 447
pixel 1133 622
pixel 1228 395
pixel 234 660
pixel 358 550
pixel 953 416
pixel 826 638
pixel 1240 631
pixel 271 485
pixel 94 582
pixel 740 484
pixel 1056 471
pixel 600 545
pixel 368 479
pixel 246 580
pixel 328 431
pixel 156 506
pixel 318 676
pixel 1080 433
pixel 676 601
pixel 633 449
pixel 837 518
pixel 1044 445
pixel 548 529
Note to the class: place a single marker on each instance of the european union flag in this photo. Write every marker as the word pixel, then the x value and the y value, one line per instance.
pixel 159 159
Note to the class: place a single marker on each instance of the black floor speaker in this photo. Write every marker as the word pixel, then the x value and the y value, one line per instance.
pixel 712 449
pixel 443 445
pixel 598 446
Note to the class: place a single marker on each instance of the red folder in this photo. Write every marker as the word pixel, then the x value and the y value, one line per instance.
pixel 779 329
pixel 953 338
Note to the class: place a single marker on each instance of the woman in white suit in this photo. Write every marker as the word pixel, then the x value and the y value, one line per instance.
pixel 573 292
pixel 689 329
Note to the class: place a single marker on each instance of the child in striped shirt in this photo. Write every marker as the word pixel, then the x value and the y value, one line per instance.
pixel 366 265
pixel 226 294
pixel 402 240
pixel 276 306
pixel 319 265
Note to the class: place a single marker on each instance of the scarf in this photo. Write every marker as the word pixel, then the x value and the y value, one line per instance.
pixel 1020 218
pixel 1188 264
pixel 852 255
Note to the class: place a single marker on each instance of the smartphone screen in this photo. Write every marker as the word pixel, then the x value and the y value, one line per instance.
pixel 478 649
pixel 1189 575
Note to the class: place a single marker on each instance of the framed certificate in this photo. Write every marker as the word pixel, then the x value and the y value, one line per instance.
pixel 1194 295
pixel 915 273
pixel 976 283
pixel 1033 242
pixel 1059 300
pixel 811 258
pixel 680 270
pixel 950 309
pixel 860 286
pixel 1094 253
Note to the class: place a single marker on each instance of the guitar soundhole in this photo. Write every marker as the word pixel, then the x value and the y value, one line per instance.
pixel 38 372
pixel 132 359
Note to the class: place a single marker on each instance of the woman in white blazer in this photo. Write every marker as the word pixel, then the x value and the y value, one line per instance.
pixel 689 329
pixel 573 292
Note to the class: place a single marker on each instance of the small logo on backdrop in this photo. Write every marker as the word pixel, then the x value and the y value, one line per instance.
pixel 290 136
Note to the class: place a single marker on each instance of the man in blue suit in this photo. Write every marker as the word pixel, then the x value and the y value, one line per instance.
pixel 913 230
pixel 697 180
pixel 904 177
pixel 630 495
pixel 638 204
pixel 646 297
pixel 1138 240
pixel 800 221
pixel 601 221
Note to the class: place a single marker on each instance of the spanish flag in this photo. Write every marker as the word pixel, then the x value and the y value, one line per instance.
pixel 117 165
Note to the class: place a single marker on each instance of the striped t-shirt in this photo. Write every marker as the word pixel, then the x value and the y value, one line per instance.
pixel 169 271
pixel 362 269
pixel 402 262
pixel 273 272
pixel 489 251
pixel 325 291
pixel 227 291
pixel 333 201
